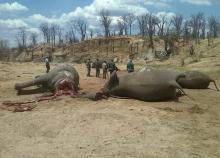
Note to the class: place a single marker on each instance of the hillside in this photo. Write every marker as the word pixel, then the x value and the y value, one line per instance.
pixel 206 58
pixel 122 48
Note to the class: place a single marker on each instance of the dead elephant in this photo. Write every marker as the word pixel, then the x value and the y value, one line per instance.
pixel 195 80
pixel 62 80
pixel 146 85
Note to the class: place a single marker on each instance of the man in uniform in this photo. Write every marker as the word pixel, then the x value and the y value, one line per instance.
pixel 130 66
pixel 47 64
pixel 97 67
pixel 191 50
pixel 111 66
pixel 88 65
pixel 105 69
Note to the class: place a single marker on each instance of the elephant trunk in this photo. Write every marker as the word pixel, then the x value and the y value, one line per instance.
pixel 112 82
pixel 36 81
pixel 19 86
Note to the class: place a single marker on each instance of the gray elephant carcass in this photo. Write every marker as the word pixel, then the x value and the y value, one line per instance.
pixel 146 85
pixel 63 77
pixel 195 80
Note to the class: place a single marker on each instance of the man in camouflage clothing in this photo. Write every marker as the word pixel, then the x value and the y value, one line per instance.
pixel 191 50
pixel 111 66
pixel 88 65
pixel 105 69
pixel 130 66
pixel 47 64
pixel 97 67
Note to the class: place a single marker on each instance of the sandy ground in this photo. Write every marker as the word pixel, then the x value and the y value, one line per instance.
pixel 108 128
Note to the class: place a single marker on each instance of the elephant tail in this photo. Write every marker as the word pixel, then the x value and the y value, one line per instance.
pixel 177 86
pixel 117 97
pixel 214 84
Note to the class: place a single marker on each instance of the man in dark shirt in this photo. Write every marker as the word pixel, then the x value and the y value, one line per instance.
pixel 111 66
pixel 130 66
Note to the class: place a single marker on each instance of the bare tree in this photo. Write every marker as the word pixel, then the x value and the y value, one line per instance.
pixel 3 45
pixel 80 26
pixel 21 37
pixel 213 26
pixel 161 25
pixel 105 20
pixel 177 22
pixel 4 49
pixel 218 28
pixel 68 39
pixel 71 34
pixel 127 20
pixel 151 22
pixel 197 23
pixel 130 20
pixel 147 26
pixel 186 31
pixel 120 27
pixel 166 35
pixel 33 38
pixel 44 27
pixel 141 25
pixel 91 33
pixel 124 20
pixel 203 27
pixel 194 25
pixel 71 37
pixel 60 34
pixel 53 33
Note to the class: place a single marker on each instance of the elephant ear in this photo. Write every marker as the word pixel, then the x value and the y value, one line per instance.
pixel 112 82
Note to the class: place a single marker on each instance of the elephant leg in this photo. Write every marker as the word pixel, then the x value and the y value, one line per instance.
pixel 215 85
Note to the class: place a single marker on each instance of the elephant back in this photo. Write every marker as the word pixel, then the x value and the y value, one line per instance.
pixel 195 80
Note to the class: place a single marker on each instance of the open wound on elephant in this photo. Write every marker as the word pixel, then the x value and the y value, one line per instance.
pixel 65 87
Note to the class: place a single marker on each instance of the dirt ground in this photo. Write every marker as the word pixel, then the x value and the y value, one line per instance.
pixel 109 128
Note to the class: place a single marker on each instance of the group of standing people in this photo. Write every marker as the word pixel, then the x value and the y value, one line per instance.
pixel 110 66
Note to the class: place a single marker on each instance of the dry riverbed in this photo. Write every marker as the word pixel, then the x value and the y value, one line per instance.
pixel 109 128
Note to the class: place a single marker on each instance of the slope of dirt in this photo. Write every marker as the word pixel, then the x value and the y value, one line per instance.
pixel 120 47
pixel 109 128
